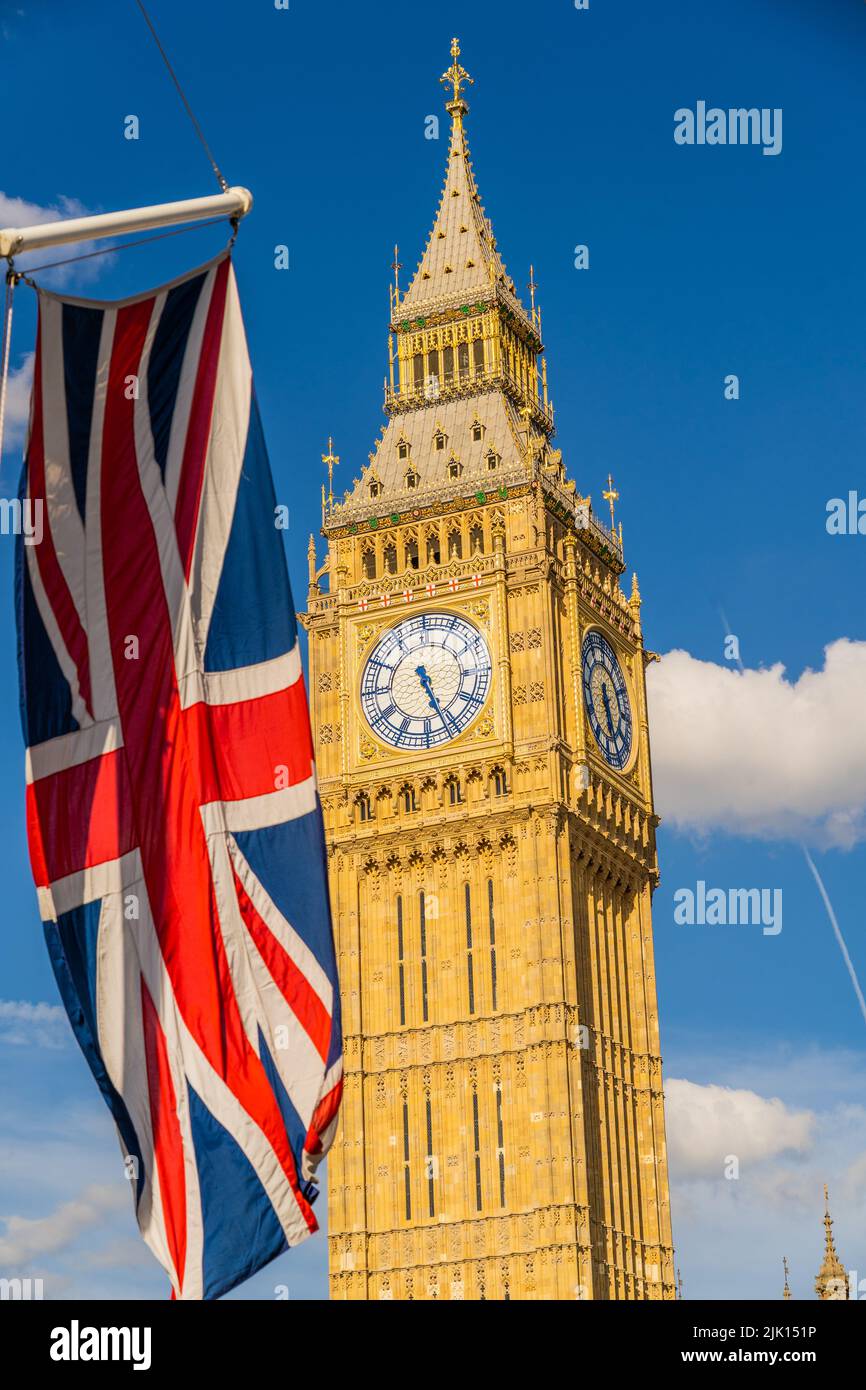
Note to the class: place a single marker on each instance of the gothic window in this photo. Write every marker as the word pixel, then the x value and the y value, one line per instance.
pixel 418 371
pixel 365 810
pixel 433 549
pixel 476 540
pixel 369 562
pixel 433 365
pixel 401 968
pixel 440 439
pixel 422 918
pixel 477 431
pixel 455 545
pixel 412 479
pixel 412 555
pixel 448 365
pixel 407 1177
pixel 402 449
pixel 476 1133
pixel 500 1143
pixel 467 897
pixel 478 356
pixel 492 923
pixel 463 360
pixel 431 1196
pixel 409 802
pixel 389 556
pixel 375 489
pixel 455 468
pixel 455 796
pixel 500 783
pixel 493 461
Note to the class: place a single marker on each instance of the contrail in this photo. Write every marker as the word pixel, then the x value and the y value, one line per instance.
pixel 820 882
pixel 839 937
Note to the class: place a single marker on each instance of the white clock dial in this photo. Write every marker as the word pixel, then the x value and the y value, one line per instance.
pixel 426 680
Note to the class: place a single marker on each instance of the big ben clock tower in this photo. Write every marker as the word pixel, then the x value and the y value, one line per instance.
pixel 479 708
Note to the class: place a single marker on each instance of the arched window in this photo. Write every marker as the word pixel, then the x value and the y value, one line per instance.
pixel 432 549
pixel 408 798
pixel 389 557
pixel 478 356
pixel 365 810
pixel 370 563
pixel 500 782
pixel 455 796
pixel 455 545
pixel 412 555
pixel 476 540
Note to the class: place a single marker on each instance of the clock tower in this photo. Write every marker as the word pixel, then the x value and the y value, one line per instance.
pixel 479 709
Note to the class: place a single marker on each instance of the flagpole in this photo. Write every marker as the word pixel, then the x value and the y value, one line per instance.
pixel 14 241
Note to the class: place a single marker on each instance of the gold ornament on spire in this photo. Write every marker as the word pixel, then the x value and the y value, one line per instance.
pixel 611 496
pixel 786 1292
pixel 455 76
pixel 832 1282
pixel 330 460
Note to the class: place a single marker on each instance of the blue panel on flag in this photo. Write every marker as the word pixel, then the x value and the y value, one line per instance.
pixel 289 862
pixel 242 634
pixel 82 329
pixel 44 695
pixel 166 361
pixel 72 941
pixel 241 1229
pixel 293 1122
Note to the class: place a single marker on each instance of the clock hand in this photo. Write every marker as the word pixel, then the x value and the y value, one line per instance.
pixel 427 686
pixel 606 699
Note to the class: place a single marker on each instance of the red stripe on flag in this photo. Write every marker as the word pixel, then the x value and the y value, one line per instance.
pixel 200 416
pixel 167 1137
pixel 246 746
pixel 56 588
pixel 79 817
pixel 167 769
pixel 323 1116
pixel 291 981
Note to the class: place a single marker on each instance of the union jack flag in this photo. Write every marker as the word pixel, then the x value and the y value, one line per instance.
pixel 174 824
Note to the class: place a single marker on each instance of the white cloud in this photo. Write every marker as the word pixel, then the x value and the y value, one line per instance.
pixel 18 404
pixel 18 212
pixel 752 752
pixel 706 1124
pixel 26 1239
pixel 24 1024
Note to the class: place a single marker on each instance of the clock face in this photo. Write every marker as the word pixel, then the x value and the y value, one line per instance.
pixel 606 698
pixel 425 681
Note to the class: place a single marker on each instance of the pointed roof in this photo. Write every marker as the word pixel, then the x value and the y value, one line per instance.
pixel 461 258
pixel 832 1281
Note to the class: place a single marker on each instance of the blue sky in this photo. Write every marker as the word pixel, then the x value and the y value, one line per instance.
pixel 704 261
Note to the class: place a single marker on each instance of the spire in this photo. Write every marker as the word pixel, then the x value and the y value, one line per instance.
pixel 460 259
pixel 832 1282
pixel 786 1292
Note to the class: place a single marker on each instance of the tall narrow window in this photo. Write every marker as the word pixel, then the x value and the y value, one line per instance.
pixel 401 966
pixel 492 939
pixel 448 365
pixel 463 360
pixel 423 920
pixel 478 356
pixel 471 981
pixel 406 1174
pixel 476 1131
pixel 418 371
pixel 431 1196
pixel 500 1143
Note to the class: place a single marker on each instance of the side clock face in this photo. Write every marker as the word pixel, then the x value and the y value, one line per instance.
pixel 606 698
pixel 425 681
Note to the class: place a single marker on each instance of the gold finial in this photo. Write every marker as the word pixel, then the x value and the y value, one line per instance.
pixel 611 496
pixel 455 76
pixel 786 1292
pixel 532 287
pixel 679 1285
pixel 330 459
pixel 396 266
pixel 635 591
pixel 831 1282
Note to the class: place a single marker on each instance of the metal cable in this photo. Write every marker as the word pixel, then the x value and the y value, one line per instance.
pixel 222 181
pixel 11 278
